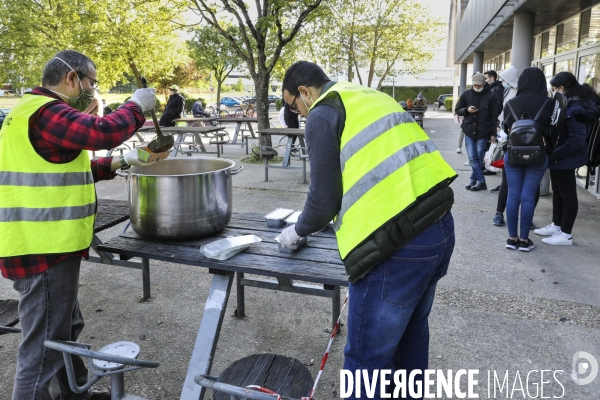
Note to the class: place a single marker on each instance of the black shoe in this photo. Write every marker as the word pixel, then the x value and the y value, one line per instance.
pixel 512 244
pixel 496 189
pixel 526 245
pixel 486 172
pixel 479 186
pixel 470 185
pixel 99 394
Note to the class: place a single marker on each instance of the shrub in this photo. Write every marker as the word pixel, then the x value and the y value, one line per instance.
pixel 278 104
pixel 114 106
pixel 431 93
pixel 448 103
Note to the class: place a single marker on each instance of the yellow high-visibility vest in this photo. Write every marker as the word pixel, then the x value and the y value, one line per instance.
pixel 45 208
pixel 387 162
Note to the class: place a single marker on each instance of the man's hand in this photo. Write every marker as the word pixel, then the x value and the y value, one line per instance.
pixel 472 109
pixel 289 238
pixel 131 158
pixel 145 98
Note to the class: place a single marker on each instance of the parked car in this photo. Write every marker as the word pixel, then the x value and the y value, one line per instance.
pixel 231 101
pixel 440 101
pixel 3 114
pixel 271 97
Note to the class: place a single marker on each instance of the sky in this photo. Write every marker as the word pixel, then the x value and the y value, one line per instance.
pixel 440 8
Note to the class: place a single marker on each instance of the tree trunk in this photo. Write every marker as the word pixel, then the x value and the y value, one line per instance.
pixel 262 106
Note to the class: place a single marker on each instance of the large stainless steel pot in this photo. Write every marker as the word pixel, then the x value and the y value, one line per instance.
pixel 184 198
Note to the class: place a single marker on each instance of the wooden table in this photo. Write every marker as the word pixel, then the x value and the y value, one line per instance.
pixel 318 263
pixel 239 122
pixel 291 133
pixel 182 131
pixel 194 121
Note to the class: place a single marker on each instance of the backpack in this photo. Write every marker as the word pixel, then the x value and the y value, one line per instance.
pixel 526 140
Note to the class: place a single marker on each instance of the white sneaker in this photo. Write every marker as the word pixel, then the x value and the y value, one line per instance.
pixel 559 239
pixel 467 163
pixel 459 150
pixel 548 230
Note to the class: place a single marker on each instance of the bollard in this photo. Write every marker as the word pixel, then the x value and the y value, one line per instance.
pixel 545 184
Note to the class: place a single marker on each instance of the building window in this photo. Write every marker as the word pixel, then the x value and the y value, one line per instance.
pixel 426 75
pixel 590 26
pixel 566 35
pixel 548 72
pixel 567 65
pixel 589 71
pixel 548 42
pixel 537 47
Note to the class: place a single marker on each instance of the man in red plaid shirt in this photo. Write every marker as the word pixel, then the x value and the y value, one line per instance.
pixel 47 209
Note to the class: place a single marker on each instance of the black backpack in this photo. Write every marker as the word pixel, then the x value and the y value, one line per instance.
pixel 526 139
pixel 593 141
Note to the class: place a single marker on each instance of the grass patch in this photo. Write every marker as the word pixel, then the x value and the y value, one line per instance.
pixel 254 159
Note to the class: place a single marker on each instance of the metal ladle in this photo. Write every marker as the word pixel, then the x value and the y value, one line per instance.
pixel 162 142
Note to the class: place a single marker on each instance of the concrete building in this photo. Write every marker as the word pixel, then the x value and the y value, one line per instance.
pixel 554 35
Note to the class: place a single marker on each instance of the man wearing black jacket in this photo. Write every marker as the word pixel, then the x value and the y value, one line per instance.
pixel 173 109
pixel 491 77
pixel 480 108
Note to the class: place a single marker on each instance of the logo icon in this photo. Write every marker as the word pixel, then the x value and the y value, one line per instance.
pixel 585 368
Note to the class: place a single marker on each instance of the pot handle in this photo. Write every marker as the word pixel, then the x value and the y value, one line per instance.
pixel 235 171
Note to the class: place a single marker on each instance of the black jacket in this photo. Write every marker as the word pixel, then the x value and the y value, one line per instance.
pixel 570 145
pixel 498 90
pixel 531 96
pixel 482 124
pixel 173 110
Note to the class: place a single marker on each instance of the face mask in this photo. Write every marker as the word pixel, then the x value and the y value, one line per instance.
pixel 478 90
pixel 305 105
pixel 506 85
pixel 84 99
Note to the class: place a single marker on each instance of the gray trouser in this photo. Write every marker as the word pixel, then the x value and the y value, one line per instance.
pixel 48 310
pixel 461 137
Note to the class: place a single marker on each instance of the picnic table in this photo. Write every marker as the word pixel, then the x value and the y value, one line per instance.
pixel 291 134
pixel 194 121
pixel 182 132
pixel 239 121
pixel 317 265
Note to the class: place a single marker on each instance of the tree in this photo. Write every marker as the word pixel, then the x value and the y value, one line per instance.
pixel 118 36
pixel 211 51
pixel 263 32
pixel 183 75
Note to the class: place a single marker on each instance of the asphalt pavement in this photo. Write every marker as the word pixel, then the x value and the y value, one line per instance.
pixel 517 318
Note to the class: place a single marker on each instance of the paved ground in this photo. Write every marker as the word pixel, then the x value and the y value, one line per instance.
pixel 500 311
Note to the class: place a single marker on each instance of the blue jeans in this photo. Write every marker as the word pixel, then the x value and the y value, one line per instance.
pixel 48 310
pixel 389 307
pixel 523 182
pixel 476 153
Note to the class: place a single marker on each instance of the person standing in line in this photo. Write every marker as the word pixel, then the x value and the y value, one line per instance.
pixel 393 224
pixel 173 109
pixel 480 109
pixel 44 149
pixel 569 153
pixel 524 180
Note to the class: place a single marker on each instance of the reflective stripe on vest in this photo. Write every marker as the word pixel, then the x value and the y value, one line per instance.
pixel 387 162
pixel 45 208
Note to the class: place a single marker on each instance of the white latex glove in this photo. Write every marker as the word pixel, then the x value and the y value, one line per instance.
pixel 131 158
pixel 145 98
pixel 289 238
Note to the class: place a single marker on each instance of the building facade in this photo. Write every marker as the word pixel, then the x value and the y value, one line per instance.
pixel 554 35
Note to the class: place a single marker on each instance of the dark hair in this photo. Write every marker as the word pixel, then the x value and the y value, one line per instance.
pixel 55 70
pixel 573 87
pixel 303 73
pixel 491 73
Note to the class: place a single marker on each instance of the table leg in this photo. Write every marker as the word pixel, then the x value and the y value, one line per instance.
pixel 241 303
pixel 208 336
pixel 249 124
pixel 146 278
pixel 335 309
pixel 288 150
pixel 235 134
pixel 266 169
pixel 178 142
pixel 199 141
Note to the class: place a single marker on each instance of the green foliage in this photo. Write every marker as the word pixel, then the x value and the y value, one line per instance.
pixel 431 93
pixel 278 104
pixel 114 106
pixel 448 103
pixel 115 35
pixel 239 86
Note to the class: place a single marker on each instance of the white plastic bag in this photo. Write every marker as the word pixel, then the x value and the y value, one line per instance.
pixel 223 249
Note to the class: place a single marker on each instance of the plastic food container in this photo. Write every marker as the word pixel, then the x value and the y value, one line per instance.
pixel 147 156
pixel 282 249
pixel 293 218
pixel 276 219
pixel 223 249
